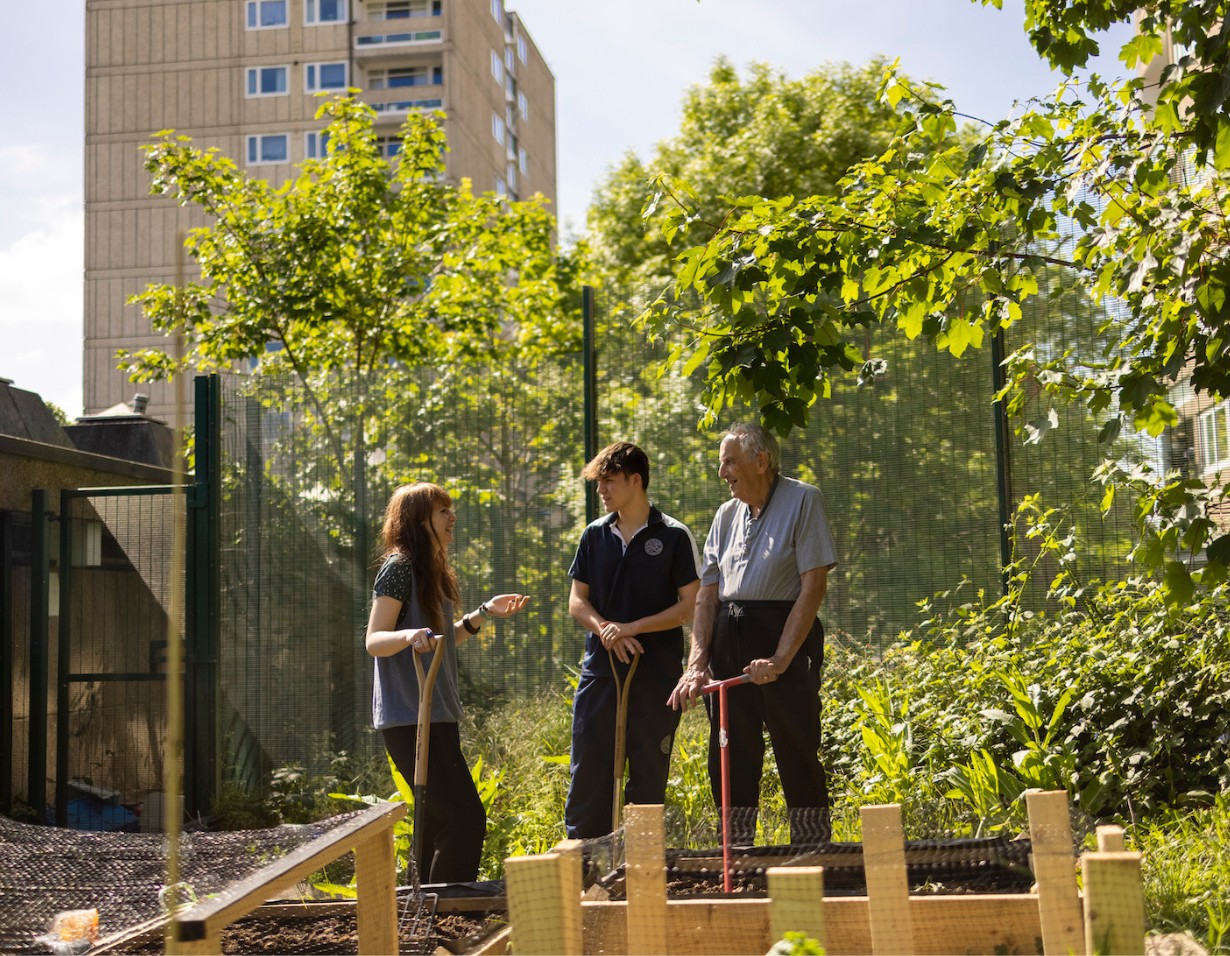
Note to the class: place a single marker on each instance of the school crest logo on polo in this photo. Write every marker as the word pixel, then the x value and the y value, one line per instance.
pixel 653 547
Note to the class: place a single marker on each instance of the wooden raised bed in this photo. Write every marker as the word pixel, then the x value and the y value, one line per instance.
pixel 547 913
pixel 369 835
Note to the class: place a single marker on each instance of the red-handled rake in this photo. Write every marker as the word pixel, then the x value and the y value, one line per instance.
pixel 723 739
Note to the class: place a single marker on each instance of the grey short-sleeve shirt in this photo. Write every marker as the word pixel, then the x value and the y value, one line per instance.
pixel 761 559
pixel 395 694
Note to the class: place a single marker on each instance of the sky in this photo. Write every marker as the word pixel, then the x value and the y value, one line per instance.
pixel 621 71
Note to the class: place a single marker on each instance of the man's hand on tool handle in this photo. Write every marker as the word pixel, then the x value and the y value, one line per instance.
pixel 689 689
pixel 619 639
pixel 762 670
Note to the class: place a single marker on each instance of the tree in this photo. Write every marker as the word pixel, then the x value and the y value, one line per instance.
pixel 766 134
pixel 334 287
pixel 891 455
pixel 356 266
pixel 946 239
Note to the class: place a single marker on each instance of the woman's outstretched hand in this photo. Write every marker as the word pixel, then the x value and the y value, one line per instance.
pixel 506 605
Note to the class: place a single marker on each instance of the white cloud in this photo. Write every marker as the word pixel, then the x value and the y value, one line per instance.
pixel 41 309
pixel 41 184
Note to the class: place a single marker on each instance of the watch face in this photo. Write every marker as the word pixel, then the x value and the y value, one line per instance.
pixel 653 547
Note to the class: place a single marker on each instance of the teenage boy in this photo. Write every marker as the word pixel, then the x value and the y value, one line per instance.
pixel 634 586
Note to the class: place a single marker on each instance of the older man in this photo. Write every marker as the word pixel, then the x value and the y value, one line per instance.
pixel 764 574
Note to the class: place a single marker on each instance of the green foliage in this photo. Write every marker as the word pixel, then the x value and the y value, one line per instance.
pixel 341 277
pixel 1118 697
pixel 946 238
pixel 524 742
pixel 236 808
pixel 1186 871
pixel 883 723
pixel 797 944
pixel 763 133
pixel 58 413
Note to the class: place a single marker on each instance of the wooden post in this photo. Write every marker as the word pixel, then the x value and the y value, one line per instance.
pixel 645 868
pixel 1110 839
pixel 173 946
pixel 571 864
pixel 796 902
pixel 1114 904
pixel 888 887
pixel 375 874
pixel 1059 904
pixel 538 905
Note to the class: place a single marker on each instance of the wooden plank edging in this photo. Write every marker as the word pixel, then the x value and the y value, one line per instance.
pixel 205 919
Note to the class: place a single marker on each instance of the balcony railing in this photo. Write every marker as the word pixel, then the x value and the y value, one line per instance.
pixel 395 103
pixel 382 41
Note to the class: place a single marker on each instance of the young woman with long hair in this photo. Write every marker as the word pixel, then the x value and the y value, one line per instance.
pixel 413 603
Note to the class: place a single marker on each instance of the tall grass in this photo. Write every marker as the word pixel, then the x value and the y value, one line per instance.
pixel 1186 858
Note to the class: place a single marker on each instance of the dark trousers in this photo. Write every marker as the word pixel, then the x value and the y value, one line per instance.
pixel 452 816
pixel 789 708
pixel 650 736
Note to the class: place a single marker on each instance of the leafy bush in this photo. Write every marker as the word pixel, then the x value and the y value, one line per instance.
pixel 1115 695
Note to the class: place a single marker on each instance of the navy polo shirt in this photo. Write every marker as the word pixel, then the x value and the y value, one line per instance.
pixel 627 585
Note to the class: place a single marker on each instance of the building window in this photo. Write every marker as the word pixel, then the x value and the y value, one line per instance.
pixel 501 188
pixel 521 161
pixel 510 64
pixel 264 14
pixel 324 76
pixel 521 49
pixel 324 11
pixel 497 68
pixel 523 106
pixel 316 144
pixel 497 128
pixel 267 80
pixel 389 146
pixel 403 9
pixel 1215 438
pixel 497 12
pixel 405 76
pixel 269 148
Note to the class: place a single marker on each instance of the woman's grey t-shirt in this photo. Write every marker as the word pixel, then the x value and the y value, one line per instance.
pixel 395 694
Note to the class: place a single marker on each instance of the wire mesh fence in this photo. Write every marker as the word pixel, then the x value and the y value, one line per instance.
pixel 115 596
pixel 910 465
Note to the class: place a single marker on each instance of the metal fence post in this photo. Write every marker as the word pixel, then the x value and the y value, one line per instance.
pixel 1003 457
pixel 590 376
pixel 40 589
pixel 201 603
pixel 64 656
pixel 6 662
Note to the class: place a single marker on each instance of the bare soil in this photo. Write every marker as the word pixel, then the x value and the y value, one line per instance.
pixel 339 933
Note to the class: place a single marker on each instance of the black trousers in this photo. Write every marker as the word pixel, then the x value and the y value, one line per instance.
pixel 789 708
pixel 650 736
pixel 452 816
